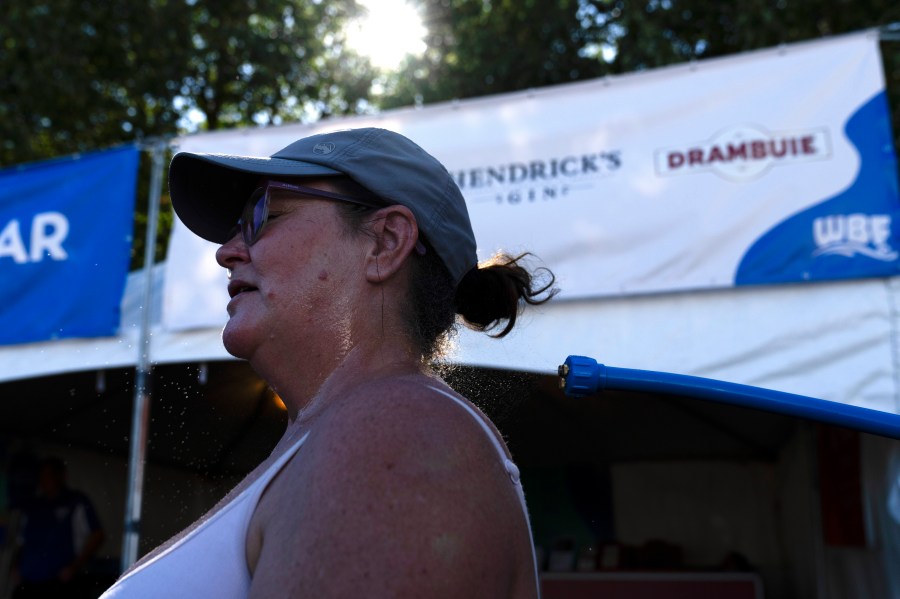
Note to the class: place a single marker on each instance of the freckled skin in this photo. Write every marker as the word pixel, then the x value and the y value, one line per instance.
pixel 446 546
pixel 304 292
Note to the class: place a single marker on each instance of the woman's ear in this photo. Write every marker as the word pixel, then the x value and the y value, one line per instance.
pixel 394 234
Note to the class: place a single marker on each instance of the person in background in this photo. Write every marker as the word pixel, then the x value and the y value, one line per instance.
pixel 60 535
pixel 350 255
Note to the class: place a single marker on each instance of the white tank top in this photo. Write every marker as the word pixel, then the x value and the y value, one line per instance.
pixel 210 561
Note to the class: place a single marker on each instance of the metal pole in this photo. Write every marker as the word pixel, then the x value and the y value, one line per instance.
pixel 141 416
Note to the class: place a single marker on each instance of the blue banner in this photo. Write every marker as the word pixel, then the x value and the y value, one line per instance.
pixel 851 234
pixel 65 242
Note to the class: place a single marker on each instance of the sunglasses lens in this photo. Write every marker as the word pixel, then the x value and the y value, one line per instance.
pixel 254 216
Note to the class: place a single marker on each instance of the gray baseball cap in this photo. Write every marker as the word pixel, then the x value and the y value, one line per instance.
pixel 209 190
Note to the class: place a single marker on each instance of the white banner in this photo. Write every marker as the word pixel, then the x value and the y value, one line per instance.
pixel 771 166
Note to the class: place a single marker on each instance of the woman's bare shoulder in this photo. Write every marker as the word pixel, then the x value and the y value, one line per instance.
pixel 397 477
pixel 400 401
pixel 411 422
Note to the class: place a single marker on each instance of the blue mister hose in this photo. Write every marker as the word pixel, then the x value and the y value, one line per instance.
pixel 580 376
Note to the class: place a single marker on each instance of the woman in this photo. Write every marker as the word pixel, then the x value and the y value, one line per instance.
pixel 352 254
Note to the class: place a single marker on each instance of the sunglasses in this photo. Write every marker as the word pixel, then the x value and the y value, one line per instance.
pixel 256 209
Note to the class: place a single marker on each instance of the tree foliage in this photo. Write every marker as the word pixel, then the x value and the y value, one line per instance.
pixel 480 47
pixel 81 74
pixel 85 74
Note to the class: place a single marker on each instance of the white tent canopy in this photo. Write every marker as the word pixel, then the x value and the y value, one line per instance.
pixel 835 341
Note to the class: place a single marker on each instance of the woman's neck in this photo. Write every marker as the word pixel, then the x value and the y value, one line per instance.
pixel 359 366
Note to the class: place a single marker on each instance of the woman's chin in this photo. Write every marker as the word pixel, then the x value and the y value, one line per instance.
pixel 236 341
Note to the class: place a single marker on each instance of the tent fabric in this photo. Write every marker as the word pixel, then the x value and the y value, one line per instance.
pixel 74 355
pixel 835 341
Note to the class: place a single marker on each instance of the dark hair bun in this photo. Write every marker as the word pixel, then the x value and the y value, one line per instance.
pixel 497 290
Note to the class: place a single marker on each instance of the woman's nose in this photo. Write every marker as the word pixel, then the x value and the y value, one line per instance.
pixel 232 252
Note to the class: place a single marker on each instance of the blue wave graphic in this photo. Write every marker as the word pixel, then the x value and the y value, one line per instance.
pixel 853 234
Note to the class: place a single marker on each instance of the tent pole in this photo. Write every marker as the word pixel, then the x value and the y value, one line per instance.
pixel 141 413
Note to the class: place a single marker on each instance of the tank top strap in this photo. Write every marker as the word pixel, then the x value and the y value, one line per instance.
pixel 510 466
pixel 511 469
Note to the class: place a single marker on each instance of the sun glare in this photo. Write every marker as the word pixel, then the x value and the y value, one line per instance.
pixel 391 30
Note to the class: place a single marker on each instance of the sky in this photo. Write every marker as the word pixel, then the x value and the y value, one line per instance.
pixel 391 30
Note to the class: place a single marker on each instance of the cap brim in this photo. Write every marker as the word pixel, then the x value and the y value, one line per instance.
pixel 208 191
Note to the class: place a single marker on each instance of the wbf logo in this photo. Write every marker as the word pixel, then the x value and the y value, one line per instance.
pixel 852 234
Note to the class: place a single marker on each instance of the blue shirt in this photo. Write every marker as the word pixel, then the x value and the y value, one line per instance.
pixel 55 531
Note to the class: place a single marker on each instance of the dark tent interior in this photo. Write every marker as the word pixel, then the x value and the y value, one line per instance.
pixel 605 475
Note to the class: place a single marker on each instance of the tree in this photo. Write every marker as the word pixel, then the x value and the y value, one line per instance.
pixel 82 75
pixel 476 48
pixel 269 61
